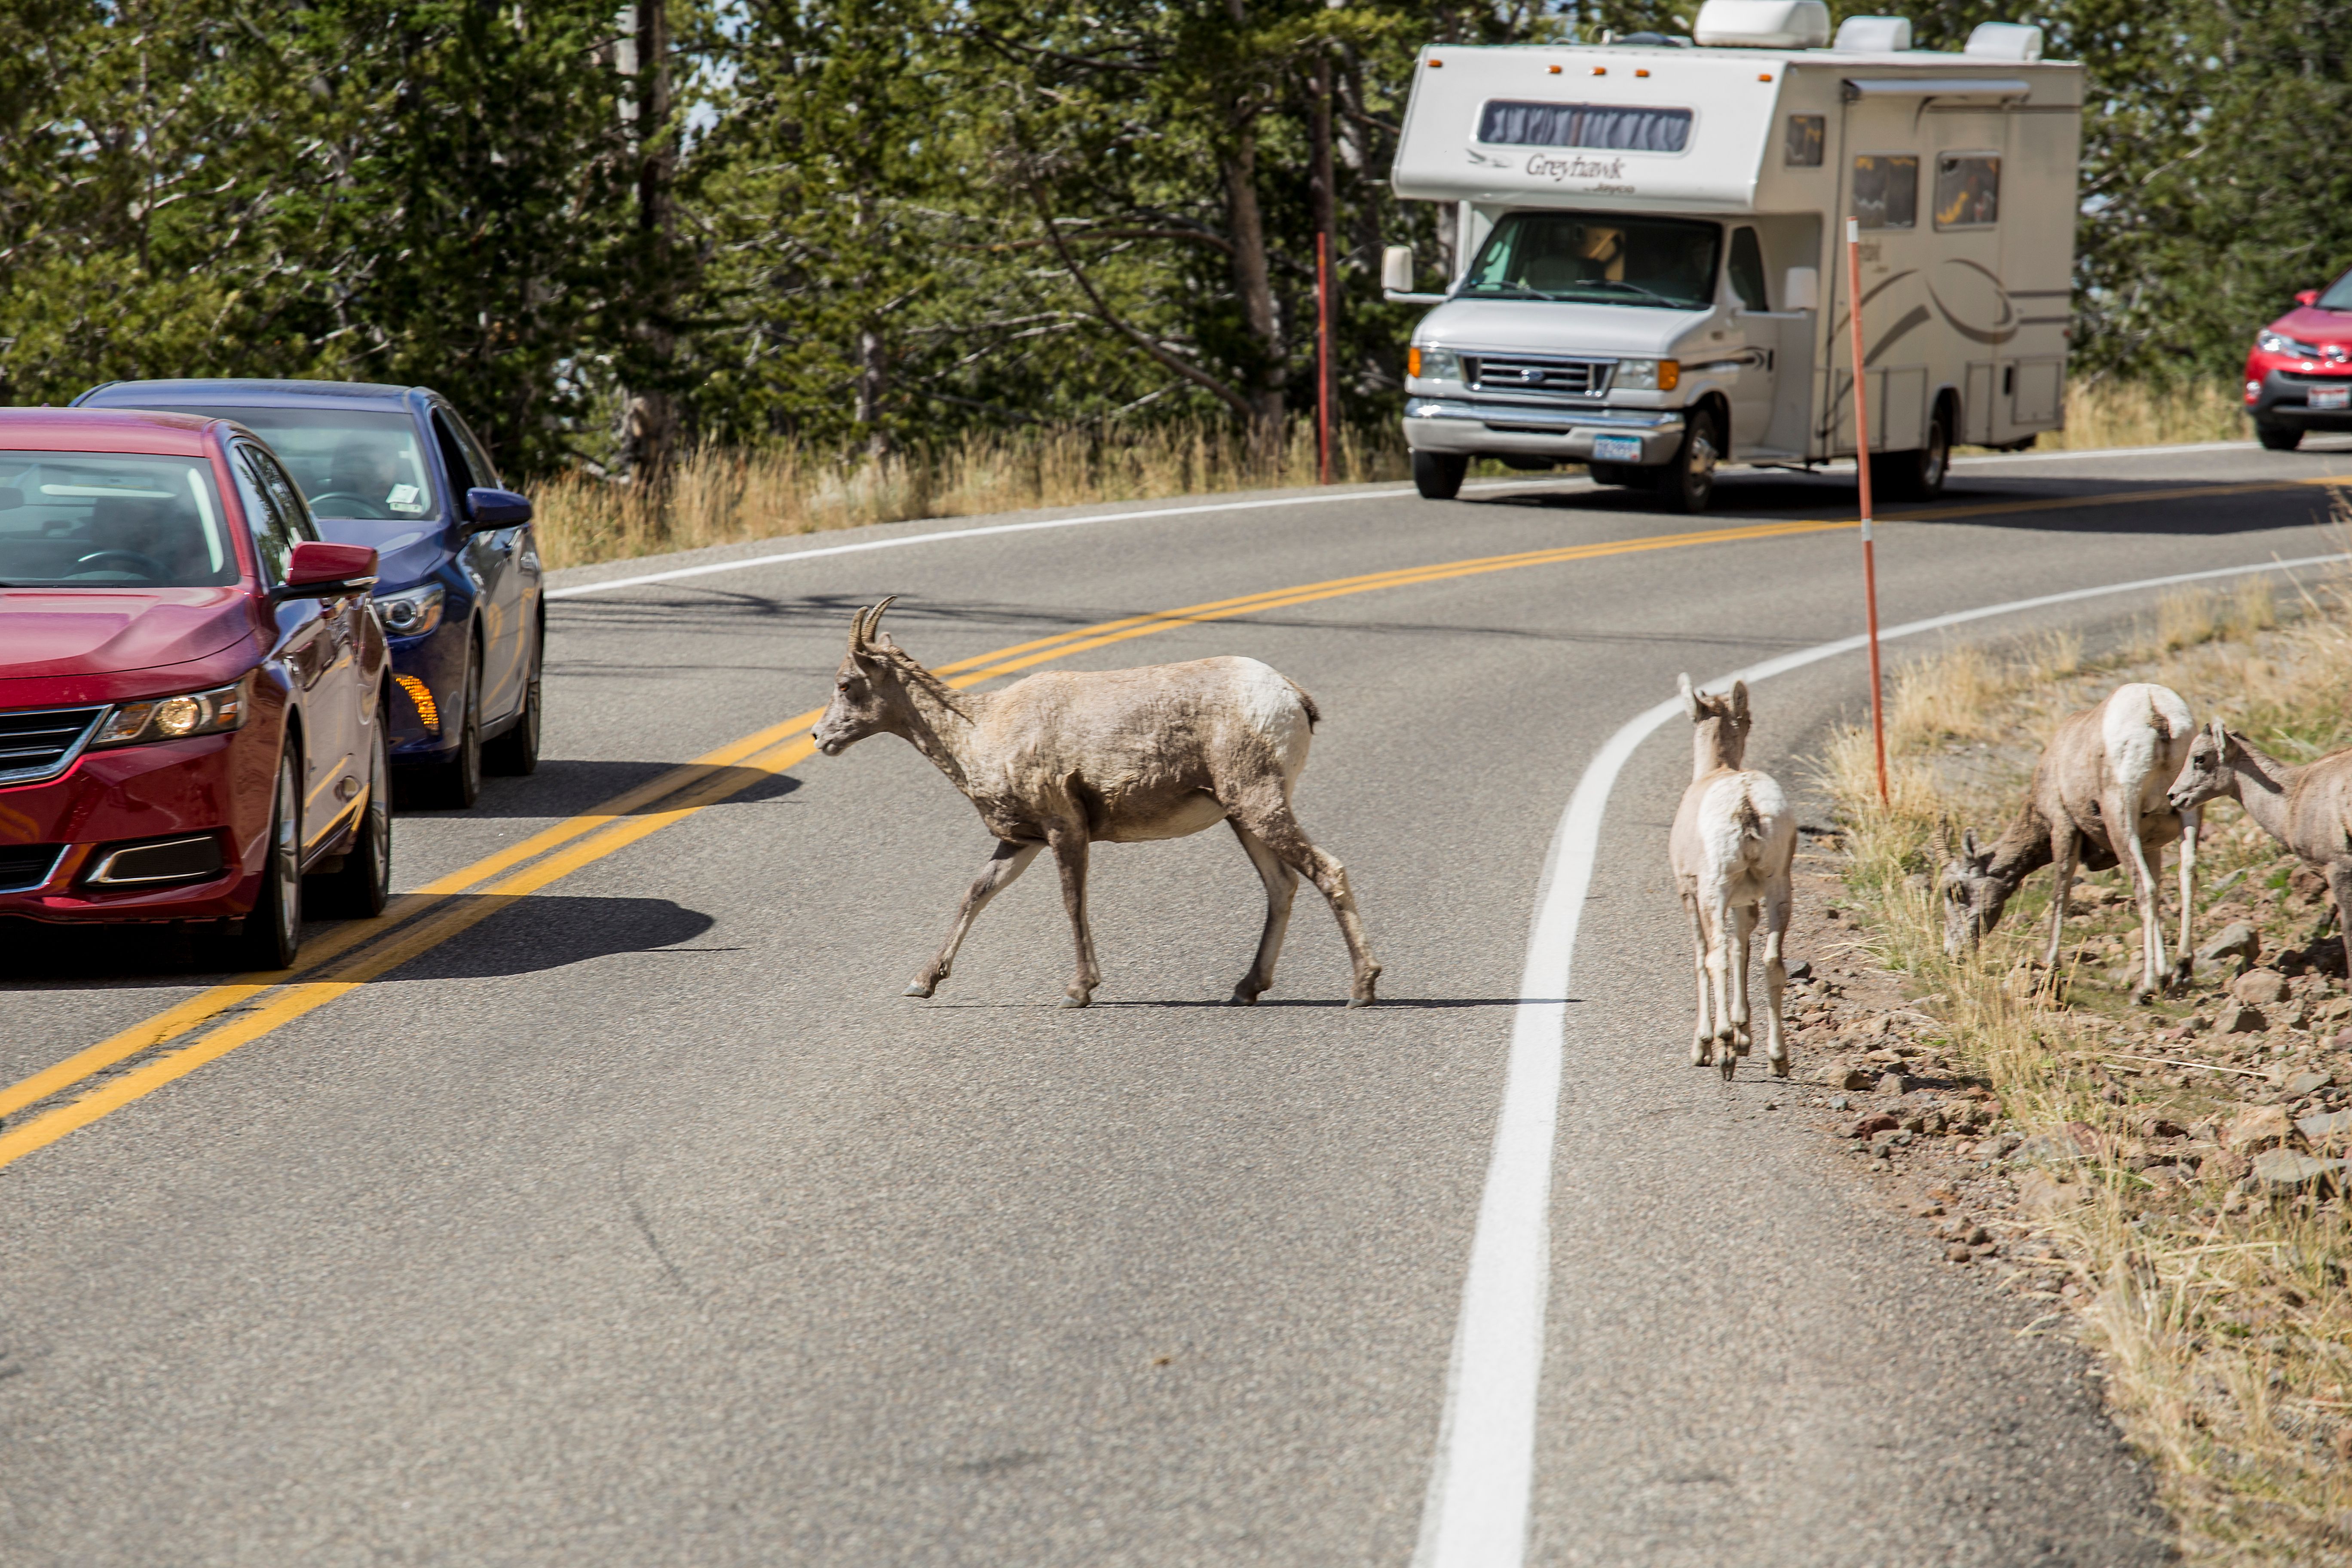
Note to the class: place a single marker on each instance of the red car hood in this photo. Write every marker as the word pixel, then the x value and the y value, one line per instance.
pixel 2321 329
pixel 62 632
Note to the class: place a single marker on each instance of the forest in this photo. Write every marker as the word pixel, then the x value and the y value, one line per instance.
pixel 615 234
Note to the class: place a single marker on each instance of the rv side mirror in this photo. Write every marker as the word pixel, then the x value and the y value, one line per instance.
pixel 1802 289
pixel 1396 268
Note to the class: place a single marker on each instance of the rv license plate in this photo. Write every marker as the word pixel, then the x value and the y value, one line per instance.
pixel 2321 397
pixel 1628 449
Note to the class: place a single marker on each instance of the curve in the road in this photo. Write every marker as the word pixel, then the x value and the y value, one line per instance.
pixel 1478 1509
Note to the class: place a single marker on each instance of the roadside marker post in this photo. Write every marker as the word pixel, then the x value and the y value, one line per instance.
pixel 1323 358
pixel 1861 471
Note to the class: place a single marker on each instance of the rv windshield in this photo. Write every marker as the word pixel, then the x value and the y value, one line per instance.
pixel 1598 258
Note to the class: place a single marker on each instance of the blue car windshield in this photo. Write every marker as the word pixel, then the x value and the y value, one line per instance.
pixel 99 519
pixel 351 463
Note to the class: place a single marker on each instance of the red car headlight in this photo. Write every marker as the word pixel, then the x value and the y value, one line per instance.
pixel 175 718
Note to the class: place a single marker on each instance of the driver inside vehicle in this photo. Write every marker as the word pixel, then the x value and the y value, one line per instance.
pixel 126 526
pixel 364 469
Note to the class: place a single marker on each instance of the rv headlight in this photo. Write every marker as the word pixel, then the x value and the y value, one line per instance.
pixel 1648 374
pixel 1433 364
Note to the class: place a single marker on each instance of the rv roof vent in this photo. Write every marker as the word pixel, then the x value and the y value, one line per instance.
pixel 1873 35
pixel 1763 24
pixel 2005 41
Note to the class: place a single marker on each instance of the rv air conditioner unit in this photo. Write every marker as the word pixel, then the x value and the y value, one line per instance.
pixel 1763 24
pixel 1874 36
pixel 2005 41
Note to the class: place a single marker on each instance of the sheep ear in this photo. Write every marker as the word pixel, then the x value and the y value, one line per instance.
pixel 2220 733
pixel 1943 839
pixel 1969 843
pixel 1690 698
pixel 1740 700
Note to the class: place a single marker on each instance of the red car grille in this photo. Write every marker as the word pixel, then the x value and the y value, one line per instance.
pixel 40 743
pixel 24 866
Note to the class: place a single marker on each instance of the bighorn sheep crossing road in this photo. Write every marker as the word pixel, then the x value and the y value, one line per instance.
pixel 2108 766
pixel 1063 758
pixel 1734 842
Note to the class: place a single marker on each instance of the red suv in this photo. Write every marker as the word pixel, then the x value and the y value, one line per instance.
pixel 2299 375
pixel 191 686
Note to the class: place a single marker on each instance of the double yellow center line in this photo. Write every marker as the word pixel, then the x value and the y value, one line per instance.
pixel 243 1010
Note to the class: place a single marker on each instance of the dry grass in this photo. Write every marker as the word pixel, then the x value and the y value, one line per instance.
pixel 721 497
pixel 2104 413
pixel 2222 1315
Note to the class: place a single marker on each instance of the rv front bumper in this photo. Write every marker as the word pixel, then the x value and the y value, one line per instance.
pixel 1564 435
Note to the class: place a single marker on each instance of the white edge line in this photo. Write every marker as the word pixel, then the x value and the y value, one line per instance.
pixel 1476 1511
pixel 747 562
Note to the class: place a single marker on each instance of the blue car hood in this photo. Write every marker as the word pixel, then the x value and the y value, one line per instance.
pixel 407 550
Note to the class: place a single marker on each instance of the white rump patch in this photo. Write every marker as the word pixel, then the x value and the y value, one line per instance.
pixel 1271 708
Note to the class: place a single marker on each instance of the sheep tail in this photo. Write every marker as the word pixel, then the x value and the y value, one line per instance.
pixel 1751 826
pixel 1314 714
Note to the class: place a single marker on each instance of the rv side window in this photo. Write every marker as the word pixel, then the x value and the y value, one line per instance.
pixel 1886 190
pixel 1747 269
pixel 1807 132
pixel 1613 127
pixel 1968 190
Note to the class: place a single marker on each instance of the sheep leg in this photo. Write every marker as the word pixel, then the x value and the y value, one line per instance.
pixel 1703 1033
pixel 1281 887
pixel 1776 976
pixel 1069 846
pixel 1281 832
pixel 1005 862
pixel 1743 922
pixel 1718 971
pixel 2339 885
pixel 2062 841
pixel 2184 961
pixel 2151 919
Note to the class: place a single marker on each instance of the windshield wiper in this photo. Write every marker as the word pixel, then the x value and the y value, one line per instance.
pixel 1518 289
pixel 1637 289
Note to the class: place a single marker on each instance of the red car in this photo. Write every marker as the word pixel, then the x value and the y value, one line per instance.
pixel 191 686
pixel 2299 375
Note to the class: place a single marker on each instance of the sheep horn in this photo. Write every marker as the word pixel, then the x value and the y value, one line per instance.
pixel 874 616
pixel 1943 837
pixel 857 630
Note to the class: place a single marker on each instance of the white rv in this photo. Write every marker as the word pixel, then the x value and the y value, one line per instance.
pixel 1653 270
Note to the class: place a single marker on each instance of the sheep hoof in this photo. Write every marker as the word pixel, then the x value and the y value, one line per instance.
pixel 1730 1066
pixel 1780 1068
pixel 1356 1002
pixel 1244 998
pixel 1077 1001
pixel 916 989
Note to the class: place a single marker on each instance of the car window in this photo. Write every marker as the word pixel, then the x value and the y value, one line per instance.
pixel 1747 270
pixel 287 494
pixel 453 458
pixel 1968 190
pixel 1886 190
pixel 348 463
pixel 476 458
pixel 2339 294
pixel 275 531
pixel 1610 258
pixel 105 520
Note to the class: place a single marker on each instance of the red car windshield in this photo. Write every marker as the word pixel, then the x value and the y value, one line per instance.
pixel 103 519
pixel 2338 296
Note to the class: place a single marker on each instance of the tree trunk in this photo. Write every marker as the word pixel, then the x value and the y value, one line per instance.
pixel 1246 226
pixel 651 429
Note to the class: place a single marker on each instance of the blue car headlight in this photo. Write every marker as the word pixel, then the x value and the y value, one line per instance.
pixel 411 614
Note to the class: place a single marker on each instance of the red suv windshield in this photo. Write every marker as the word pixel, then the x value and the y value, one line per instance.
pixel 102 520
pixel 2338 296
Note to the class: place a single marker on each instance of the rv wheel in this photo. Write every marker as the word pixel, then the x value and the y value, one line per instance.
pixel 1688 482
pixel 1438 475
pixel 1916 476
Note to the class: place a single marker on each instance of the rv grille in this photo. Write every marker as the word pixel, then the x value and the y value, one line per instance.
pixel 39 743
pixel 1528 373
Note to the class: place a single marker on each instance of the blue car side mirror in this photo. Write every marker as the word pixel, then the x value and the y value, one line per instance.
pixel 489 509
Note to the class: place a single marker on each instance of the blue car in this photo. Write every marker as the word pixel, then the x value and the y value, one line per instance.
pixel 459 590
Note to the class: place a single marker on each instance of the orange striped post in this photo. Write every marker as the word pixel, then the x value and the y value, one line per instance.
pixel 1862 468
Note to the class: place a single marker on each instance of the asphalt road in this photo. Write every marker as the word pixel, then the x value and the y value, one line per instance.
pixel 640 1220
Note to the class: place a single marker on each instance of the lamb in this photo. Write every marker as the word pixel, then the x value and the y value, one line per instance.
pixel 1063 760
pixel 1735 839
pixel 2106 765
pixel 2308 809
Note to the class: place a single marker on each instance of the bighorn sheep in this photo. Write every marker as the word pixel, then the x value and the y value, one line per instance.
pixel 1063 760
pixel 2106 765
pixel 1734 841
pixel 2307 808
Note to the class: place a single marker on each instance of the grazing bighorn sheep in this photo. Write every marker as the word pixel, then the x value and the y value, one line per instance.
pixel 2106 765
pixel 2308 808
pixel 1734 841
pixel 1064 759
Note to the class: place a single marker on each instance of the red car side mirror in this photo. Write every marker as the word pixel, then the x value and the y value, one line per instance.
pixel 2308 297
pixel 317 570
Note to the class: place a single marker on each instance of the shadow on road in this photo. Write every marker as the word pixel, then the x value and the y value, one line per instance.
pixel 564 788
pixel 548 931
